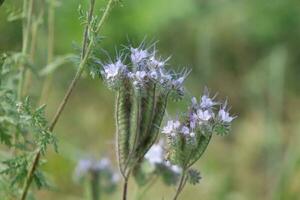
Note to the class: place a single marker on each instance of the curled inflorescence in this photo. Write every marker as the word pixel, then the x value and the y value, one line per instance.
pixel 189 136
pixel 143 86
pixel 143 67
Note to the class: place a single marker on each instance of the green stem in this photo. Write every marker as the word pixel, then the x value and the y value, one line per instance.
pixel 125 187
pixel 95 193
pixel 66 97
pixel 30 174
pixel 180 185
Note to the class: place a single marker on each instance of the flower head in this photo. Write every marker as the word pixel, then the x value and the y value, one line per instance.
pixel 113 70
pixel 204 116
pixel 138 55
pixel 145 68
pixel 195 129
pixel 223 114
pixel 171 127
pixel 185 130
pixel 154 63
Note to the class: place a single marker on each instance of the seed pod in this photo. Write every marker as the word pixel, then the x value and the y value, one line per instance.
pixel 148 103
pixel 160 107
pixel 135 119
pixel 123 110
pixel 186 154
pixel 202 143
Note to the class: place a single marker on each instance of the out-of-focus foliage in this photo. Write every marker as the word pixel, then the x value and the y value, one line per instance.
pixel 248 49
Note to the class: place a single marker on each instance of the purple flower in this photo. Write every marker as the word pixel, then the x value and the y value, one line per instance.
pixel 138 55
pixel 185 130
pixel 223 114
pixel 206 102
pixel 171 127
pixel 204 115
pixel 112 70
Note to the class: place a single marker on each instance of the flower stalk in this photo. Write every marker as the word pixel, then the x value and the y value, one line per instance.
pixel 143 87
pixel 85 55
pixel 188 136
pixel 180 185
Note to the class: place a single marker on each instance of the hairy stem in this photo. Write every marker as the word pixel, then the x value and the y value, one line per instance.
pixel 125 185
pixel 30 174
pixel 68 93
pixel 180 185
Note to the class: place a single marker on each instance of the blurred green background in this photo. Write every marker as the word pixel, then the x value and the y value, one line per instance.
pixel 246 50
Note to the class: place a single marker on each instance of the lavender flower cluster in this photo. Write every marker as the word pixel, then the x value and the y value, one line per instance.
pixel 203 116
pixel 144 66
pixel 189 136
pixel 89 166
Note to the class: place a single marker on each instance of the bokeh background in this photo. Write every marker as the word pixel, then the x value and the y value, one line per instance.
pixel 246 50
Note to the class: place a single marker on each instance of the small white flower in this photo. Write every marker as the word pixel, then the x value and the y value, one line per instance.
pixel 140 75
pixel 171 127
pixel 185 130
pixel 138 55
pixel 113 69
pixel 153 75
pixel 178 82
pixel 165 77
pixel 206 102
pixel 176 124
pixel 156 63
pixel 130 75
pixel 168 128
pixel 138 78
pixel 193 120
pixel 224 116
pixel 155 154
pixel 204 115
